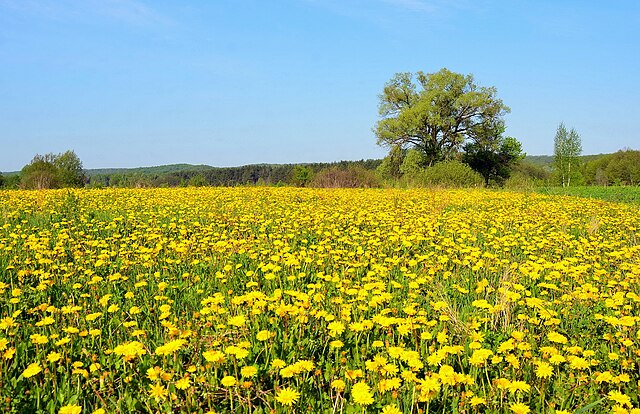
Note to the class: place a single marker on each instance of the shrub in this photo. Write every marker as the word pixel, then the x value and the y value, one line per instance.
pixel 350 177
pixel 523 181
pixel 447 174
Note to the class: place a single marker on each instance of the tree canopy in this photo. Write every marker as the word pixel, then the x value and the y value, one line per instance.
pixel 437 113
pixel 53 171
pixel 495 159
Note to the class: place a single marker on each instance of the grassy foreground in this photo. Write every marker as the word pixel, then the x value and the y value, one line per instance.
pixel 614 194
pixel 292 300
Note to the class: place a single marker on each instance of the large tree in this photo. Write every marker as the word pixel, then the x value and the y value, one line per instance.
pixel 53 171
pixel 436 113
pixel 567 147
pixel 70 171
pixel 40 173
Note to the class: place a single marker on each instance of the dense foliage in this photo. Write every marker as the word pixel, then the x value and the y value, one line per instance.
pixel 53 171
pixel 437 113
pixel 620 168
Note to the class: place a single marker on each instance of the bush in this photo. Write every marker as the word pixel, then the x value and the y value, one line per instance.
pixel 350 177
pixel 447 174
pixel 523 181
pixel 414 162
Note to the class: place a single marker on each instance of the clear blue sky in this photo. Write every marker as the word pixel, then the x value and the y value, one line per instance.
pixel 129 83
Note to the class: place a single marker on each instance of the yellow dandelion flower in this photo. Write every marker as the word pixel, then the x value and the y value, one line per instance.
pixel 158 392
pixel 544 370
pixel 70 409
pixel 519 408
pixel 390 409
pixel 361 393
pixel 287 396
pixel 620 398
pixel 228 381
pixel 31 370
pixel 249 371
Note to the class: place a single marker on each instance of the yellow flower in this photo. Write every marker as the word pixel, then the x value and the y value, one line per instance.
pixel 183 383
pixel 214 356
pixel 335 328
pixel 31 370
pixel 475 401
pixel 391 409
pixel 48 320
pixel 336 344
pixel 170 347
pixel 9 353
pixel 237 321
pixel 605 376
pixel 579 363
pixel 338 385
pixel 130 350
pixel 544 370
pixel 228 381
pixel 620 398
pixel 557 359
pixel 361 393
pixel 249 371
pixel 53 357
pixel 158 392
pixel 263 335
pixel 480 357
pixel 70 409
pixel 556 337
pixel 154 373
pixel 519 408
pixel 516 386
pixel 93 316
pixel 287 396
pixel 39 339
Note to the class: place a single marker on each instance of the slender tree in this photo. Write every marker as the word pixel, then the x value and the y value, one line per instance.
pixel 567 149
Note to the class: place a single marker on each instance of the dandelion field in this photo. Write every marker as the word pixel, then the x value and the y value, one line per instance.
pixel 261 300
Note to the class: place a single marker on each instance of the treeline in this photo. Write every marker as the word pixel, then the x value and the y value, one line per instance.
pixel 65 170
pixel 620 168
pixel 399 169
pixel 259 174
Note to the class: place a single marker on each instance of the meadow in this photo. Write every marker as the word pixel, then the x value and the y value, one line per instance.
pixel 618 194
pixel 274 300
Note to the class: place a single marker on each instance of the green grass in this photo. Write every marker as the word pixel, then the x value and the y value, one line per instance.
pixel 614 194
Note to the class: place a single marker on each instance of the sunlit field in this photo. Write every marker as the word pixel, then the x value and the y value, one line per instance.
pixel 262 300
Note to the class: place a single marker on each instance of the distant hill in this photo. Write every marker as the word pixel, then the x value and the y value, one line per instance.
pixel 160 169
pixel 546 161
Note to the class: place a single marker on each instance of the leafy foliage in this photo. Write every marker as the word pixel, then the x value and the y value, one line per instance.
pixel 494 159
pixel 438 113
pixel 301 175
pixel 620 168
pixel 448 174
pixel 391 166
pixel 53 171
